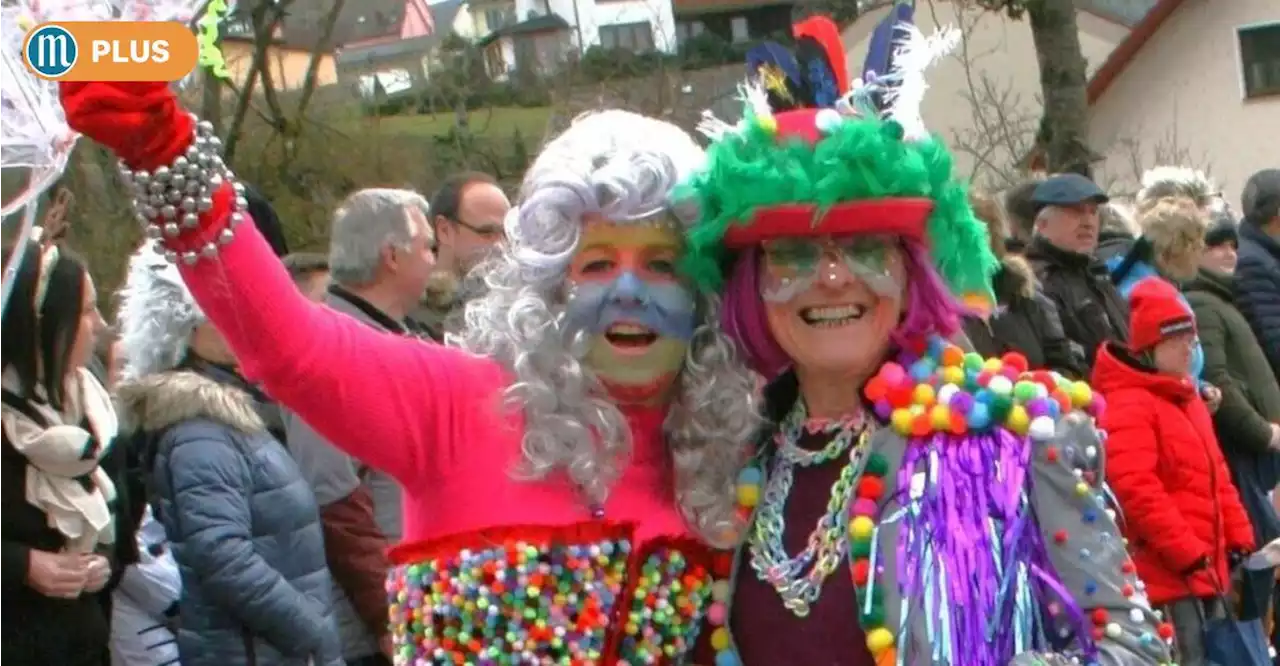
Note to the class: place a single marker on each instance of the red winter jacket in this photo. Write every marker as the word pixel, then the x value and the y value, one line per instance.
pixel 1181 510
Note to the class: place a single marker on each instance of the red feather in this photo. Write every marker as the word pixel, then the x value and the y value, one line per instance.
pixel 825 32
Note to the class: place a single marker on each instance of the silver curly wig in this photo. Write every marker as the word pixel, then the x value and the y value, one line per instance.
pixel 157 315
pixel 623 167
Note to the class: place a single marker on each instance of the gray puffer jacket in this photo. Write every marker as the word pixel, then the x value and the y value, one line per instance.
pixel 244 526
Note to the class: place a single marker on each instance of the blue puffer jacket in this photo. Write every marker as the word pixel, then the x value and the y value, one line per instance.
pixel 1257 287
pixel 244 526
pixel 1139 271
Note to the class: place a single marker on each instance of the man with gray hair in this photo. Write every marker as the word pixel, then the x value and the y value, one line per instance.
pixel 1063 256
pixel 381 254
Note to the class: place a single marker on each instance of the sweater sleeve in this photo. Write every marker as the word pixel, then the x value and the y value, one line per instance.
pixel 1244 428
pixel 1133 455
pixel 211 495
pixel 391 401
pixel 1257 291
pixel 1068 504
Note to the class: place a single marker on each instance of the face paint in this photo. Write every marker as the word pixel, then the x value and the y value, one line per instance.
pixel 794 265
pixel 624 292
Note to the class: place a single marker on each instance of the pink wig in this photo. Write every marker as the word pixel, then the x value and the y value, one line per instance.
pixel 929 309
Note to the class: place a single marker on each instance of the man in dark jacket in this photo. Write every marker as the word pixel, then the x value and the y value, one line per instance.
pixel 1257 285
pixel 1066 236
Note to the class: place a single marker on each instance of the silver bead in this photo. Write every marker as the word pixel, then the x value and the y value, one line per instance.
pixel 141 177
pixel 153 231
pixel 178 181
pixel 205 127
pixel 156 187
pixel 171 230
pixel 193 187
pixel 239 187
pixel 225 236
pixel 209 250
pixel 156 200
pixel 193 153
pixel 158 248
pixel 206 204
pixel 174 196
pixel 181 163
pixel 237 219
pixel 171 256
pixel 189 258
pixel 189 204
pixel 190 220
pixel 148 212
pixel 168 212
pixel 201 158
pixel 242 203
pixel 162 174
pixel 214 143
pixel 215 182
pixel 141 219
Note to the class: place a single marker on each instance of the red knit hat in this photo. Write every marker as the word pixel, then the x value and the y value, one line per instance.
pixel 1156 312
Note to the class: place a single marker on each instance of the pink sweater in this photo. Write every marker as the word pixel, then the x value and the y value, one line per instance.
pixel 429 415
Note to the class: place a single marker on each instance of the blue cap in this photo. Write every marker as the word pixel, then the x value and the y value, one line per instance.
pixel 1067 189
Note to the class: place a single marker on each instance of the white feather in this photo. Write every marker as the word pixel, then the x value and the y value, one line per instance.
pixel 912 56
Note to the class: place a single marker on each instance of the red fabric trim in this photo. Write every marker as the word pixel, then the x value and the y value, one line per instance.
pixel 142 123
pixel 905 217
pixel 446 546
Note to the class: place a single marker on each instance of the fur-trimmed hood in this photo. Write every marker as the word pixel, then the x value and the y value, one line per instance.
pixel 158 401
pixel 1017 277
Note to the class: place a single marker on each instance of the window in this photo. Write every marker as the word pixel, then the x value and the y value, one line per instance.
pixel 686 30
pixel 738 26
pixel 1260 59
pixel 634 37
pixel 499 17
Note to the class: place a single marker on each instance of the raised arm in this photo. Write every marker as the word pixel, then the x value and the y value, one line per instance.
pixel 1086 547
pixel 385 399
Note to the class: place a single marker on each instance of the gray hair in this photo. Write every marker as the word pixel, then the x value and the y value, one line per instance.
pixel 366 222
pixel 623 167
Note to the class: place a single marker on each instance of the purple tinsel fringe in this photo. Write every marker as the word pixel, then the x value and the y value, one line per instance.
pixel 951 520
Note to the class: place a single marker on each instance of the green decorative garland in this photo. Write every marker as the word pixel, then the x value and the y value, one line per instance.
pixel 860 159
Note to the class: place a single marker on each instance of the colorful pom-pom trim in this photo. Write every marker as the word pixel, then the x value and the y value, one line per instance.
pixel 949 391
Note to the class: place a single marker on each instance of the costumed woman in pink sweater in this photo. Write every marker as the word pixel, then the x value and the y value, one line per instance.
pixel 564 467
pixel 912 504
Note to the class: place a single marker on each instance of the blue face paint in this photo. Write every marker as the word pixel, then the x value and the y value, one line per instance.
pixel 666 308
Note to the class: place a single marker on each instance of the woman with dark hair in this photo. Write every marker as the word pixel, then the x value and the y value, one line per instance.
pixel 1023 319
pixel 58 498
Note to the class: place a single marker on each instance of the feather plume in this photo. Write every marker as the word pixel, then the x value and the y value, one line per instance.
pixel 824 32
pixel 911 58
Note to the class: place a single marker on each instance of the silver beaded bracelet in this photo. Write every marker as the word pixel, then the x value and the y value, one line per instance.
pixel 169 200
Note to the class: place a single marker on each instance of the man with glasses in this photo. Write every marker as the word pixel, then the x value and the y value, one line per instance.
pixel 466 215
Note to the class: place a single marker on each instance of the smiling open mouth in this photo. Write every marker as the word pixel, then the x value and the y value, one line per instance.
pixel 832 316
pixel 630 336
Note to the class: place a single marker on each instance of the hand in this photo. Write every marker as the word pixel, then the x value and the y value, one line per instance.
pixel 1212 397
pixel 98 572
pixel 58 575
pixel 142 123
pixel 1275 436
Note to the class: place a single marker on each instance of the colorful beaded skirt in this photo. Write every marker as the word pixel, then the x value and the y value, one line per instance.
pixel 574 595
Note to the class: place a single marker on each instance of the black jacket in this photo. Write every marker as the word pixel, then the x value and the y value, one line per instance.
pixel 1257 288
pixel 1025 321
pixel 1091 310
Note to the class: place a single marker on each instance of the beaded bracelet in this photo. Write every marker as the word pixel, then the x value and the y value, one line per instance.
pixel 170 200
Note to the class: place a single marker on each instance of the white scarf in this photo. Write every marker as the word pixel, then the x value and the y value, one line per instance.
pixel 55 457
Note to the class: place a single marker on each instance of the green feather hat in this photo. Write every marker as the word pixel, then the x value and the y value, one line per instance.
pixel 813 172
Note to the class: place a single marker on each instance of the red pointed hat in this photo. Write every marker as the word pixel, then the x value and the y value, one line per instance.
pixel 1157 312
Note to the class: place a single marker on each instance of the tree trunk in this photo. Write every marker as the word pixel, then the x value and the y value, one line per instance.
pixel 1065 123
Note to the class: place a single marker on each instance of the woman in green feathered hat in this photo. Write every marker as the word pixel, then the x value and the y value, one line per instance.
pixel 911 503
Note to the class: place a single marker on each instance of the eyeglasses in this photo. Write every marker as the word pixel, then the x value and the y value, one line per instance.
pixel 486 231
